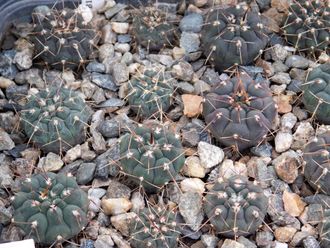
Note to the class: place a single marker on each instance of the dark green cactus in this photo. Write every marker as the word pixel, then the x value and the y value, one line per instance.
pixel 150 94
pixel 316 93
pixel 152 29
pixel 307 25
pixel 317 167
pixel 232 36
pixel 240 111
pixel 62 39
pixel 55 119
pixel 324 229
pixel 151 156
pixel 154 227
pixel 50 208
pixel 236 207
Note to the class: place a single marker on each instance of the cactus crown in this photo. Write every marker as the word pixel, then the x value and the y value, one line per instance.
pixel 316 97
pixel 50 208
pixel 236 207
pixel 240 111
pixel 307 25
pixel 152 29
pixel 317 158
pixel 151 156
pixel 55 119
pixel 232 36
pixel 154 227
pixel 62 38
pixel 150 93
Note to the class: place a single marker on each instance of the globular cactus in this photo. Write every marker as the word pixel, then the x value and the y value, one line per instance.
pixel 232 36
pixel 62 38
pixel 151 156
pixel 152 29
pixel 50 208
pixel 317 163
pixel 55 119
pixel 239 111
pixel 150 93
pixel 316 93
pixel 154 227
pixel 307 25
pixel 236 207
pixel 324 229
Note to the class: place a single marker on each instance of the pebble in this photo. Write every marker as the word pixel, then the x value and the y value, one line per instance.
pixel 120 27
pixel 193 167
pixel 104 81
pixel 5 82
pixel 293 203
pixel 122 222
pixel 118 239
pixel 127 59
pixel 137 200
pixel 94 204
pixel 85 173
pixel 288 121
pixel 109 128
pixel 283 103
pixel 52 162
pixel 23 59
pixel 6 143
pixel 33 77
pixel 192 105
pixel 210 241
pixel 263 150
pixel 257 168
pixel 211 77
pixel 190 42
pixel 106 51
pixel 120 73
pixel 122 47
pixel 124 38
pixel 286 166
pixel 97 192
pixel 303 134
pixel 192 185
pixel 95 67
pixel 191 208
pixel 229 243
pixel 280 245
pixel 279 66
pixel 297 61
pixel 183 71
pixel 103 241
pixel 278 52
pixel 201 87
pixel 72 154
pixel 112 8
pixel 178 53
pixel 115 206
pixel 118 190
pixel 283 141
pixel 86 153
pixel 229 169
pixel 185 88
pixel 278 89
pixel 298 74
pixel 6 215
pixel 7 67
pixel 284 234
pixel 264 238
pixel 191 23
pixel 199 3
pixel 160 58
pixel 311 242
pixel 313 214
pixel 281 78
pixel 246 242
pixel 209 155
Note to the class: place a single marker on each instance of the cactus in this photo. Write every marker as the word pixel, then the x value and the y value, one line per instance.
pixel 239 111
pixel 324 229
pixel 62 39
pixel 55 119
pixel 150 93
pixel 232 36
pixel 317 167
pixel 307 25
pixel 236 207
pixel 154 227
pixel 152 29
pixel 151 156
pixel 50 208
pixel 316 96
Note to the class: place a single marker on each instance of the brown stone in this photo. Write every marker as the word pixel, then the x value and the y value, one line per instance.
pixel 283 103
pixel 287 169
pixel 281 5
pixel 285 234
pixel 192 105
pixel 293 203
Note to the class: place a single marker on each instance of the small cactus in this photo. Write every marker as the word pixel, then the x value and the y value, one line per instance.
pixel 152 29
pixel 316 96
pixel 317 167
pixel 62 39
pixel 324 229
pixel 154 227
pixel 151 156
pixel 55 119
pixel 50 208
pixel 150 94
pixel 236 207
pixel 239 111
pixel 307 25
pixel 232 36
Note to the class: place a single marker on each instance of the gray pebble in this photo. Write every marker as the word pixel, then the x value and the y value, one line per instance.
pixel 191 23
pixel 114 10
pixel 185 88
pixel 190 42
pixel 85 173
pixel 124 38
pixel 111 102
pixel 295 86
pixel 88 244
pixel 263 150
pixel 103 80
pixel 95 67
pixel 311 242
pixel 211 77
pixel 297 61
pixel 281 78
pixel 109 128
pixel 7 67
